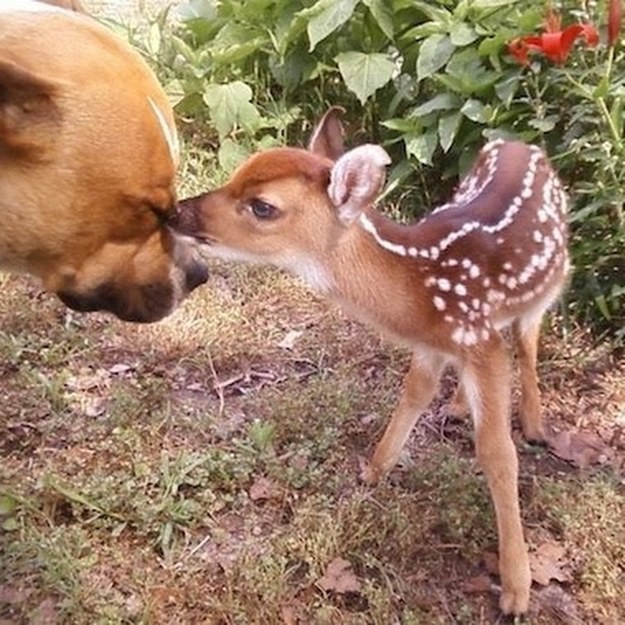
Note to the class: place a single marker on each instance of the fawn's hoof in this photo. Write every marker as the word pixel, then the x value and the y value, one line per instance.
pixel 370 474
pixel 535 436
pixel 515 602
pixel 515 592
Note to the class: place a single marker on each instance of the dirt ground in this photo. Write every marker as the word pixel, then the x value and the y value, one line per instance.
pixel 205 470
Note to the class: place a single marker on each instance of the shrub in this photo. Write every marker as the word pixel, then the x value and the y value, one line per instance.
pixel 431 81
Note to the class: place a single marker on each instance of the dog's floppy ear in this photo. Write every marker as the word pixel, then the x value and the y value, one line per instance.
pixel 327 137
pixel 29 115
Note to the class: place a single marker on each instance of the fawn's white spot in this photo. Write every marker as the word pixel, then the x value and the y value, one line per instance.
pixel 439 302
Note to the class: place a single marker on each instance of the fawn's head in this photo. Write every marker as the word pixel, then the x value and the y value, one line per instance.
pixel 287 206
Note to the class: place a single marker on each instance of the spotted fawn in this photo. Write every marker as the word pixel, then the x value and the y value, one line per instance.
pixel 493 257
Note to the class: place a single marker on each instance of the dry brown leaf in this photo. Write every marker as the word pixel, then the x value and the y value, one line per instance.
pixel 581 448
pixel 288 342
pixel 478 583
pixel 547 562
pixel 45 614
pixel 288 614
pixel 339 577
pixel 120 367
pixel 558 605
pixel 262 489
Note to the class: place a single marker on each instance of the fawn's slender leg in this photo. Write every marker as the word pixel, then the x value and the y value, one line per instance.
pixel 420 385
pixel 458 405
pixel 486 380
pixel 526 343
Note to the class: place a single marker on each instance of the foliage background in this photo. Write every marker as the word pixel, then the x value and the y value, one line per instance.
pixel 431 81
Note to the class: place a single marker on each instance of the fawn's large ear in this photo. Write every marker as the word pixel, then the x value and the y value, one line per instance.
pixel 327 137
pixel 356 179
pixel 29 115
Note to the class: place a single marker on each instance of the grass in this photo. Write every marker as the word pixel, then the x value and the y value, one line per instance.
pixel 200 471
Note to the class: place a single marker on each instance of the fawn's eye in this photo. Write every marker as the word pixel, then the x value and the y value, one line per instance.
pixel 262 209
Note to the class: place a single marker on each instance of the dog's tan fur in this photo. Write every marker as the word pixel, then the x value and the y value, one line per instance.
pixel 88 155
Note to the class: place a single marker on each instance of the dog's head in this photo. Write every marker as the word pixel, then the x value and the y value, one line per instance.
pixel 88 156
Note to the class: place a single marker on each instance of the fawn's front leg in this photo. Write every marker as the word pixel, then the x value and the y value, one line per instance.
pixel 420 385
pixel 486 382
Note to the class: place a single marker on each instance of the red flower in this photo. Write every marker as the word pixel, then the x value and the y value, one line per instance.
pixel 615 13
pixel 555 43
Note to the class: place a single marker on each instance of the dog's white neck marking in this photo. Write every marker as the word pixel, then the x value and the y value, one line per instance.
pixel 169 132
pixel 30 6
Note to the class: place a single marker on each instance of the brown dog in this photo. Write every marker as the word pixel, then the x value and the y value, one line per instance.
pixel 88 155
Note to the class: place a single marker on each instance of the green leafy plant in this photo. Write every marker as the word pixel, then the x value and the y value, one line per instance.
pixel 432 81
pixel 577 104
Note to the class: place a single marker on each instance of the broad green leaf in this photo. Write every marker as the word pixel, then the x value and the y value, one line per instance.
pixel 183 49
pixel 462 34
pixel 7 504
pixel 507 88
pixel 476 111
pixel 175 91
pixel 423 30
pixel 440 102
pixel 491 45
pixel 544 125
pixel 383 14
pixel 235 42
pixel 479 5
pixel 422 147
pixel 403 125
pixel 294 69
pixel 471 75
pixel 153 39
pixel 434 53
pixel 328 16
pixel 231 154
pixel 230 106
pixel 231 55
pixel 364 73
pixel 448 126
pixel 196 9
pixel 436 14
pixel 461 9
pixel 10 524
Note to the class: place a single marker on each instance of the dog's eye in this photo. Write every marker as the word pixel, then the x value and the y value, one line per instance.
pixel 262 209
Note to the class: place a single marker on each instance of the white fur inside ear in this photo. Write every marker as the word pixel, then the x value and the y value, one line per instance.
pixel 356 179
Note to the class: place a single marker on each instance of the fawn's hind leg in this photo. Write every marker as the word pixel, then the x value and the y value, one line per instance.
pixel 526 343
pixel 486 381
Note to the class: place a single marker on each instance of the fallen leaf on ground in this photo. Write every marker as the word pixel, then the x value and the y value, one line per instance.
pixel 262 488
pixel 339 577
pixel 289 615
pixel 581 448
pixel 45 614
pixel 478 583
pixel 547 562
pixel 558 604
pixel 288 342
pixel 120 367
